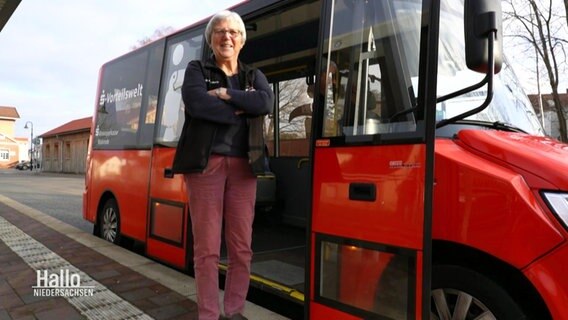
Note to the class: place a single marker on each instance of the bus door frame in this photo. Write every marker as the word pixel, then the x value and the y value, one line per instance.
pixel 428 66
pixel 169 231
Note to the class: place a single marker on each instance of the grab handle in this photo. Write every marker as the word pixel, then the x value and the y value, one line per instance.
pixel 362 191
pixel 168 173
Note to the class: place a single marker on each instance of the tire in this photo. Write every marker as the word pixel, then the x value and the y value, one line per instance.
pixel 463 294
pixel 109 222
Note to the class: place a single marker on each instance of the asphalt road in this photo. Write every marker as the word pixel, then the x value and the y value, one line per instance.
pixel 58 195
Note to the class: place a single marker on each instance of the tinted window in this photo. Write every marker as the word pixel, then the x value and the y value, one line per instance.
pixel 127 100
pixel 151 96
pixel 180 51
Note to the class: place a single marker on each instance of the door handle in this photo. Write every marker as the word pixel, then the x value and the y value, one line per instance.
pixel 168 173
pixel 362 191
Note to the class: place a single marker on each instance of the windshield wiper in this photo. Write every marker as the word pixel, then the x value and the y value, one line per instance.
pixel 498 125
pixel 506 127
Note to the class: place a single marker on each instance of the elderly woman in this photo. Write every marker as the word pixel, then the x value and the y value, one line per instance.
pixel 220 152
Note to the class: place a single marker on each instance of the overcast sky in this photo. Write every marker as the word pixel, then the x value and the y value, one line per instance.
pixel 51 51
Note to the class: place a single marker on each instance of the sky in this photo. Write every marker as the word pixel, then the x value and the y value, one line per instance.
pixel 51 51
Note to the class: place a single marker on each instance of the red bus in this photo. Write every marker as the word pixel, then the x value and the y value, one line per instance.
pixel 403 186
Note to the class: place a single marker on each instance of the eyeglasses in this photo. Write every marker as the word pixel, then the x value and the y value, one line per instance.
pixel 232 33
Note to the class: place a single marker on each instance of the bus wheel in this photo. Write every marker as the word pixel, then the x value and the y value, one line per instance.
pixel 109 220
pixel 461 293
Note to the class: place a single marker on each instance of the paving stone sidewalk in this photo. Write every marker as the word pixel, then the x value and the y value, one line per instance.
pixel 17 279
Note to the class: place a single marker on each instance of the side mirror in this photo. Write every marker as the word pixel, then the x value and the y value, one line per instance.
pixel 481 18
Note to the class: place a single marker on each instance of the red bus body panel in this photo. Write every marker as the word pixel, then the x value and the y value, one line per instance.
pixel 171 222
pixel 129 176
pixel 319 311
pixel 487 206
pixel 399 180
pixel 482 199
pixel 485 197
pixel 541 160
pixel 162 187
pixel 549 276
pixel 395 218
pixel 126 174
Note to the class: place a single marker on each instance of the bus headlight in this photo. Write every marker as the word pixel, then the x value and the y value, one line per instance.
pixel 558 203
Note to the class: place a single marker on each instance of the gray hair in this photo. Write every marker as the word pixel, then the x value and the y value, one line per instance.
pixel 223 16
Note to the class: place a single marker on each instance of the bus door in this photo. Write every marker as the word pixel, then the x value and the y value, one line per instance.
pixel 169 231
pixel 289 149
pixel 369 236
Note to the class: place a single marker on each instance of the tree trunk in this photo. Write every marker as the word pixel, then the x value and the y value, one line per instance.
pixel 566 7
pixel 561 115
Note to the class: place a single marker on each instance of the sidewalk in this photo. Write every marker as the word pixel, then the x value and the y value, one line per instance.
pixel 124 285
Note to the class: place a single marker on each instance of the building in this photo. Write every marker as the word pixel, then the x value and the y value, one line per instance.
pixel 549 117
pixel 64 149
pixel 12 149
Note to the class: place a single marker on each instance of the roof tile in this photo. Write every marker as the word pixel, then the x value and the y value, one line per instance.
pixel 83 124
pixel 9 112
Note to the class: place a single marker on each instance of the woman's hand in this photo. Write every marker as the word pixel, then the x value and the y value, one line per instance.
pixel 222 94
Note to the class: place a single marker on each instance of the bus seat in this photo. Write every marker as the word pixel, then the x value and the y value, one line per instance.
pixel 266 190
pixel 266 184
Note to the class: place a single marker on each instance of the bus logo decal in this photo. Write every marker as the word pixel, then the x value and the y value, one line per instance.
pixel 323 143
pixel 122 94
pixel 399 164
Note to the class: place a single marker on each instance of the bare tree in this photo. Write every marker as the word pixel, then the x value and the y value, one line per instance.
pixel 537 24
pixel 566 10
pixel 158 33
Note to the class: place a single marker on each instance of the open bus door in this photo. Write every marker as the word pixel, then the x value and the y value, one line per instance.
pixel 372 163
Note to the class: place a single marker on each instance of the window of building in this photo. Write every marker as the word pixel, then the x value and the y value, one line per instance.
pixel 67 150
pixel 4 154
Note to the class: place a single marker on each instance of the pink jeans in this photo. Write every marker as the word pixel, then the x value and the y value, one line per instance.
pixel 224 193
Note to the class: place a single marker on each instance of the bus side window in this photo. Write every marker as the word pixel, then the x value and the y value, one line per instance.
pixel 295 117
pixel 148 116
pixel 179 53
pixel 120 102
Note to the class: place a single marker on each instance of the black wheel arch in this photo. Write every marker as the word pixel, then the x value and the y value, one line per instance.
pixel 107 195
pixel 508 277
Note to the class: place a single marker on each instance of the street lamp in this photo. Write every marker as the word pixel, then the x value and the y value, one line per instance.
pixel 31 143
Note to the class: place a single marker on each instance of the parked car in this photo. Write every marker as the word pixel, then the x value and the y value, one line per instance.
pixel 23 165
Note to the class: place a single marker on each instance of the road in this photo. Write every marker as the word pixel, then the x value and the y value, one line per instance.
pixel 59 195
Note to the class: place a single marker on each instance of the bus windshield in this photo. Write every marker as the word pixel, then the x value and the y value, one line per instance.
pixel 510 105
pixel 372 56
